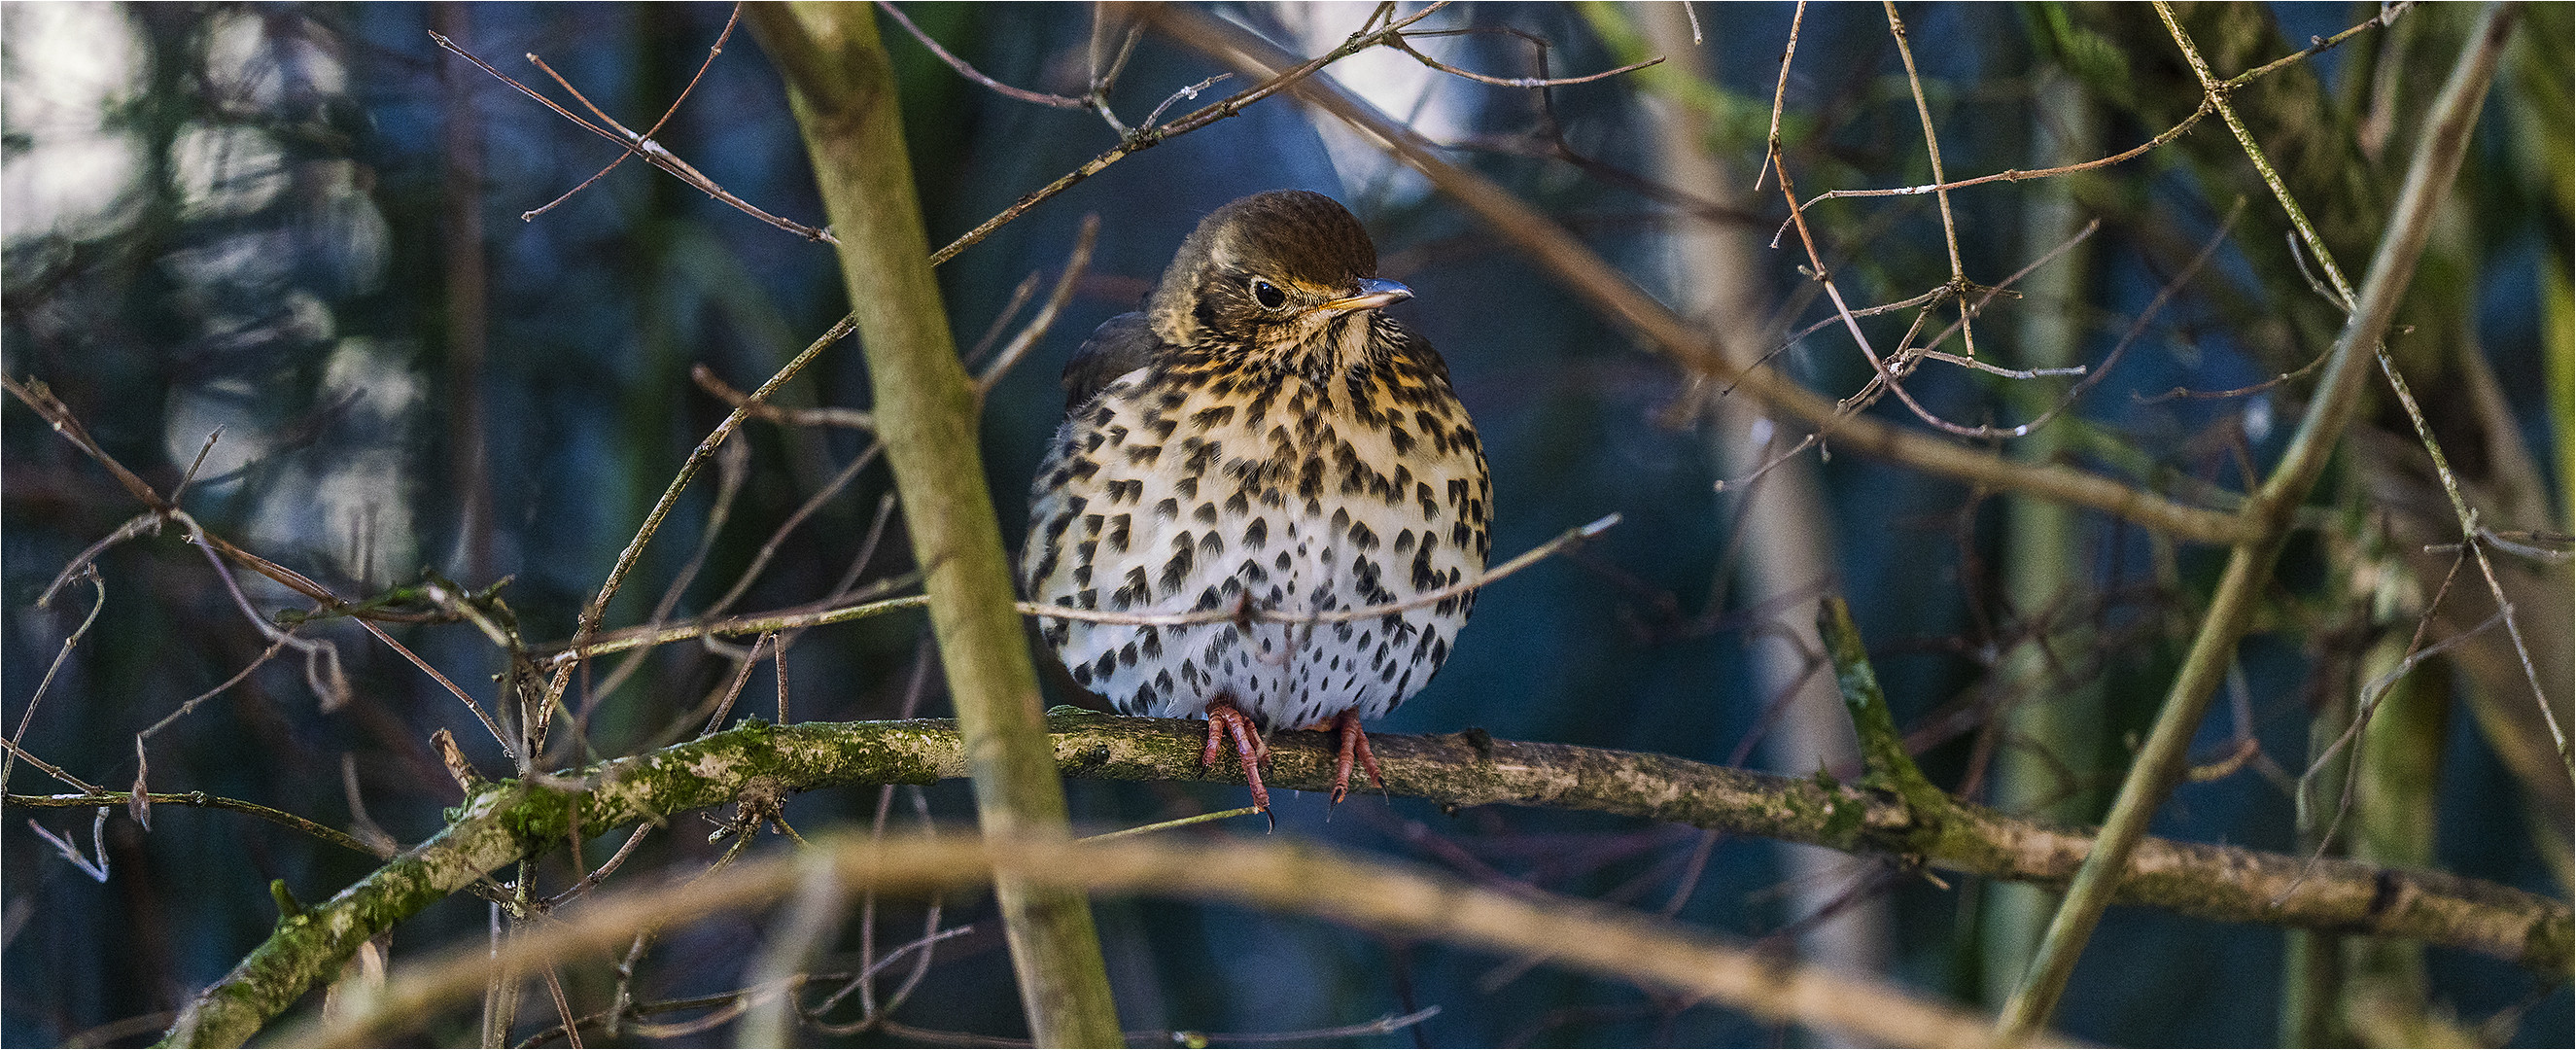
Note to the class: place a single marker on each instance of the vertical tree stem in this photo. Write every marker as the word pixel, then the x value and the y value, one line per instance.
pixel 842 88
pixel 2058 722
pixel 2312 971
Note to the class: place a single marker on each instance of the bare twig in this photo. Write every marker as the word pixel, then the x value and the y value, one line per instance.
pixel 824 416
pixel 1019 346
pixel 602 644
pixel 321 659
pixel 741 676
pixel 592 613
pixel 1151 135
pixel 1932 149
pixel 638 145
pixel 1779 93
pixel 733 471
pixel 142 807
pixel 509 748
pixel 2387 15
pixel 2474 533
pixel 95 869
pixel 777 540
pixel 28 718
pixel 2137 328
pixel 963 69
pixel 1402 43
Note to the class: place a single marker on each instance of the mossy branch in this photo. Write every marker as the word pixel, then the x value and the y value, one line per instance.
pixel 512 820
pixel 1881 745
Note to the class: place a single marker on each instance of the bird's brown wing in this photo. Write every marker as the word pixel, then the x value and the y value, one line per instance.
pixel 1121 345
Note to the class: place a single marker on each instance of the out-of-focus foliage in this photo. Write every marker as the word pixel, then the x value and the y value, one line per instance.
pixel 239 216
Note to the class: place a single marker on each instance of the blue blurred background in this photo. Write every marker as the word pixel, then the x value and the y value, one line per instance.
pixel 256 217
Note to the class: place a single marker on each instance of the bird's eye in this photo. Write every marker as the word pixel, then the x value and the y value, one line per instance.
pixel 1268 294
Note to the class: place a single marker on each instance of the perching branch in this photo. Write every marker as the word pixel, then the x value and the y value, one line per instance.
pixel 511 820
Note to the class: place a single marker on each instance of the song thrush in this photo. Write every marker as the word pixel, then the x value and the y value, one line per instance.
pixel 1262 444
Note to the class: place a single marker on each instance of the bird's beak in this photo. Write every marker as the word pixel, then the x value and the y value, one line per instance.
pixel 1374 294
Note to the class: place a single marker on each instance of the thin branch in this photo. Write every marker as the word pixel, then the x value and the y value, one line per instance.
pixel 777 540
pixel 824 416
pixel 2137 328
pixel 147 523
pixel 2386 17
pixel 1151 135
pixel 1932 149
pixel 141 804
pixel 2472 532
pixel 321 659
pixel 1779 92
pixel 733 471
pixel 1401 43
pixel 633 147
pixel 562 654
pixel 1019 346
pixel 50 769
pixel 2019 174
pixel 70 641
pixel 963 69
pixel 204 801
pixel 1387 1025
pixel 508 750
pixel 62 844
pixel 598 606
pixel 652 152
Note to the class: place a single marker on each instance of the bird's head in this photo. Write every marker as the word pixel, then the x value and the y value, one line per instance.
pixel 1288 275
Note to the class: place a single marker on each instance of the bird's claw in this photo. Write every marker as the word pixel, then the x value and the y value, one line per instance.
pixel 1354 750
pixel 1226 720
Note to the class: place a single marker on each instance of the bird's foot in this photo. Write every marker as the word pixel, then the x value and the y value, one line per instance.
pixel 1354 749
pixel 1226 720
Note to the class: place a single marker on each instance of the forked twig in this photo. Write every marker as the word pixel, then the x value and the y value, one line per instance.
pixel 637 145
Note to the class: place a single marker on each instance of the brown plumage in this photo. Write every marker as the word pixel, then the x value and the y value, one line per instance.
pixel 1260 438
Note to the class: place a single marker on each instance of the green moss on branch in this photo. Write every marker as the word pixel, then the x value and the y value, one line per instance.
pixel 513 819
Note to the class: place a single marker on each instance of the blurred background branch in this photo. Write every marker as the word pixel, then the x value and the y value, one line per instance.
pixel 445 407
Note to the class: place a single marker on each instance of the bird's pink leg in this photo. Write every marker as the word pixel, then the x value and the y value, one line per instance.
pixel 1355 748
pixel 1225 719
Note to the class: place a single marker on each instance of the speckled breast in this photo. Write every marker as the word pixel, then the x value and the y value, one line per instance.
pixel 1196 485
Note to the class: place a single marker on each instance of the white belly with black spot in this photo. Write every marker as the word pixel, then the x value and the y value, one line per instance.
pixel 1198 506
